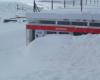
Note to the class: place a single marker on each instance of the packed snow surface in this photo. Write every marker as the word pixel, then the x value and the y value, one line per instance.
pixel 55 57
pixel 12 42
pixel 65 57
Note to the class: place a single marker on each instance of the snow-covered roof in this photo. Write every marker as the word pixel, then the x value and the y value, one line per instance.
pixel 63 14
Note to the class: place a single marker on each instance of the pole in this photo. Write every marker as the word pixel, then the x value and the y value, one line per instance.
pixel 34 6
pixel 90 1
pixel 52 4
pixel 86 2
pixel 81 4
pixel 97 1
pixel 94 1
pixel 73 2
pixel 64 3
pixel 17 7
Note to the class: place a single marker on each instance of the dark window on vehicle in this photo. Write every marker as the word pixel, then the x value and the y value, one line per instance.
pixel 63 32
pixel 9 20
pixel 79 23
pixel 46 22
pixel 51 32
pixel 95 24
pixel 33 35
pixel 63 22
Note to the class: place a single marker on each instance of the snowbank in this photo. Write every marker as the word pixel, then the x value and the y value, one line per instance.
pixel 58 57
pixel 12 42
pixel 53 57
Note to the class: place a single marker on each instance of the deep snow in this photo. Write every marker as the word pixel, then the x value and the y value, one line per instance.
pixel 65 57
pixel 53 57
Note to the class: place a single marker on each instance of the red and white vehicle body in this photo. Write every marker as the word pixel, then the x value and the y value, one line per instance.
pixel 53 22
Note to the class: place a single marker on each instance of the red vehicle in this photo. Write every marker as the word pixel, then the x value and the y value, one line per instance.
pixel 59 22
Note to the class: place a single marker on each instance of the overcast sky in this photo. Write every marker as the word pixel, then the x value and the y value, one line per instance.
pixel 27 1
pixel 18 0
pixel 23 0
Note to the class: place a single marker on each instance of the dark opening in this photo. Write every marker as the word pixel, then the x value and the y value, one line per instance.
pixel 8 20
pixel 78 34
pixel 79 23
pixel 51 32
pixel 95 24
pixel 33 35
pixel 63 22
pixel 63 33
pixel 46 22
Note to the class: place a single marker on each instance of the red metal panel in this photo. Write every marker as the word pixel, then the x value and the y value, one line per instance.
pixel 65 29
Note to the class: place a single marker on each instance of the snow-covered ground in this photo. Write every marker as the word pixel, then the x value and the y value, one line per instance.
pixel 12 43
pixel 65 57
pixel 12 35
pixel 53 57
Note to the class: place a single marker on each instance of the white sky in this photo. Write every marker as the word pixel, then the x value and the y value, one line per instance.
pixel 19 0
pixel 25 1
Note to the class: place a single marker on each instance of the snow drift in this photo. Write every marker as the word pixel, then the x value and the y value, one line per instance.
pixel 58 57
pixel 65 57
pixel 53 57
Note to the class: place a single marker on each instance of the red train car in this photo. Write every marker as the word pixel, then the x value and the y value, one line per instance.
pixel 62 22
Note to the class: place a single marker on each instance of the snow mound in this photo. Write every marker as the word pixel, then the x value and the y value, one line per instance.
pixel 56 57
